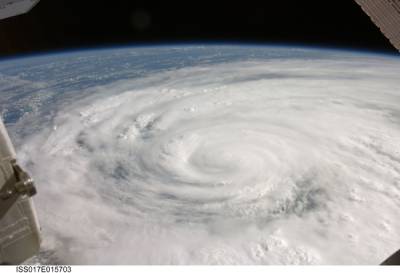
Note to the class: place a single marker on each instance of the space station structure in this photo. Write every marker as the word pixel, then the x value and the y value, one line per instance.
pixel 9 8
pixel 386 15
pixel 19 226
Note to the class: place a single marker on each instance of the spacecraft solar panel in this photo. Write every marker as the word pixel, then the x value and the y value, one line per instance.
pixel 9 8
pixel 386 15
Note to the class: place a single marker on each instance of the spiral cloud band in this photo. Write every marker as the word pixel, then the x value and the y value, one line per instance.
pixel 270 161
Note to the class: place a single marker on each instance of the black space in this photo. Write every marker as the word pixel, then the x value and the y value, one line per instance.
pixel 65 24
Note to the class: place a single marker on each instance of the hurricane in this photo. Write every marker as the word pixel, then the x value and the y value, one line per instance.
pixel 273 160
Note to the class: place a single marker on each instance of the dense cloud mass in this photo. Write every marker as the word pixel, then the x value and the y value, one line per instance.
pixel 251 161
